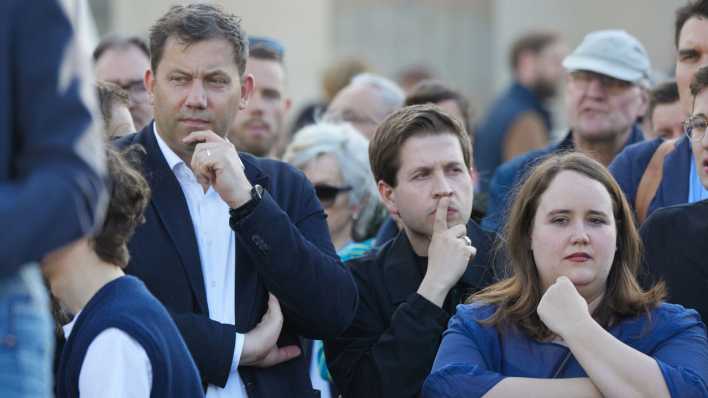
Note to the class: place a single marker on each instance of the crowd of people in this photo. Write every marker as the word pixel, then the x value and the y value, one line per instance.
pixel 168 234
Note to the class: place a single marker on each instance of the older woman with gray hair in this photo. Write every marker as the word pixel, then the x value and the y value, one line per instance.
pixel 335 158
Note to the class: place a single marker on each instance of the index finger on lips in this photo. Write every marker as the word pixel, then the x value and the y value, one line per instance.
pixel 441 214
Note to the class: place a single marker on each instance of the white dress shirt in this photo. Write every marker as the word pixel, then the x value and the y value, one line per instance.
pixel 217 252
pixel 115 366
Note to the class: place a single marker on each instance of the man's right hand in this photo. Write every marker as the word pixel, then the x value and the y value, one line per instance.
pixel 448 256
pixel 259 347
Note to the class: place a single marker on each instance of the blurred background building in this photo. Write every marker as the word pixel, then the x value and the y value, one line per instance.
pixel 463 42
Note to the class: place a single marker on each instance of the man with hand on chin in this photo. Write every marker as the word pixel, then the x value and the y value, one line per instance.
pixel 224 229
pixel 421 159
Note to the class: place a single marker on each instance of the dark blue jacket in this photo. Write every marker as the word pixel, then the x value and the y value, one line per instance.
pixel 126 304
pixel 489 137
pixel 629 166
pixel 510 175
pixel 51 162
pixel 282 247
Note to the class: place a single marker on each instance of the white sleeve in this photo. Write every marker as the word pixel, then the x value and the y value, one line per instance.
pixel 238 350
pixel 115 366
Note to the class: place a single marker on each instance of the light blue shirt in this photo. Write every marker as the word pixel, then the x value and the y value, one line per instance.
pixel 696 191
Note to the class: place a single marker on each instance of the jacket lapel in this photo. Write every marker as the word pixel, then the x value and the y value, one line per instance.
pixel 171 207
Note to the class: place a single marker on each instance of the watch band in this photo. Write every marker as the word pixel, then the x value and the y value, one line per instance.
pixel 247 208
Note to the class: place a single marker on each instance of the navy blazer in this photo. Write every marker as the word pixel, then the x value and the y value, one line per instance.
pixel 629 167
pixel 282 247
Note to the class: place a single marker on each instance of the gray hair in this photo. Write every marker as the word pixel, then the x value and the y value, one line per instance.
pixel 351 150
pixel 391 94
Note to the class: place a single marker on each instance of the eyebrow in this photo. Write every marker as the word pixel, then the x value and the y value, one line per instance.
pixel 566 211
pixel 687 51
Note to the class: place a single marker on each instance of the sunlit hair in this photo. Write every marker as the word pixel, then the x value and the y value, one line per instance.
pixel 351 150
pixel 516 298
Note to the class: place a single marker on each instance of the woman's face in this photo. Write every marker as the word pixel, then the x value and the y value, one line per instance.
pixel 324 173
pixel 574 234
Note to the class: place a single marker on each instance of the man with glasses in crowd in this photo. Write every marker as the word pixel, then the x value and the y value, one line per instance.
pixel 657 173
pixel 123 62
pixel 605 97
pixel 674 237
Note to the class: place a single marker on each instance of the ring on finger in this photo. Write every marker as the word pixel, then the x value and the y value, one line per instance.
pixel 208 152
pixel 467 240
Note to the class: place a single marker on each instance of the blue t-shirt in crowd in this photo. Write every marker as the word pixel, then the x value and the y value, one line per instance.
pixel 473 357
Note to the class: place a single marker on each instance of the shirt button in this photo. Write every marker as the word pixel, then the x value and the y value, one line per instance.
pixel 213 283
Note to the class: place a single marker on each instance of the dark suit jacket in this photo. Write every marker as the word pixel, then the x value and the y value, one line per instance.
pixel 629 167
pixel 676 251
pixel 390 347
pixel 282 247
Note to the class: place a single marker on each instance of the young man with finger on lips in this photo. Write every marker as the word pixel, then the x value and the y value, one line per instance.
pixel 224 229
pixel 421 159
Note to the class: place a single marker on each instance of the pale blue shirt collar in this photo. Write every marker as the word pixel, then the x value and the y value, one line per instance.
pixel 696 191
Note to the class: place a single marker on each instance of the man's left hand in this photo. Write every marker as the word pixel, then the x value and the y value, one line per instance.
pixel 216 163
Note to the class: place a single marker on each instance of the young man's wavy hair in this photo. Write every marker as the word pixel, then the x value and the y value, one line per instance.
pixel 516 297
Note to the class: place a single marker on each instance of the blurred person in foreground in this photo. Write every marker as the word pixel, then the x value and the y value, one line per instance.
pixel 260 128
pixel 519 120
pixel 421 158
pixel 661 173
pixel 52 170
pixel 123 61
pixel 572 319
pixel 224 229
pixel 115 317
pixel 605 97
pixel 365 102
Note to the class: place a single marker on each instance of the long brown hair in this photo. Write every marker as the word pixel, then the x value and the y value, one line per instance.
pixel 517 297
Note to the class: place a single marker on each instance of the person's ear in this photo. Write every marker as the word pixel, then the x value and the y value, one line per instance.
pixel 247 85
pixel 149 80
pixel 388 197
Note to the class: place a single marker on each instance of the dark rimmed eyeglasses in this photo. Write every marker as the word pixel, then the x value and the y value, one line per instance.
pixel 695 127
pixel 327 194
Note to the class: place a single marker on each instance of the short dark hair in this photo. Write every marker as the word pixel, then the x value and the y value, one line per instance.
pixel 108 95
pixel 116 41
pixel 433 92
pixel 198 22
pixel 683 14
pixel 407 122
pixel 664 93
pixel 265 53
pixel 130 194
pixel 533 42
pixel 700 81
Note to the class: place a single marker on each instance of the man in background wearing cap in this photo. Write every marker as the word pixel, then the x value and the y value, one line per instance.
pixel 605 96
pixel 658 173
pixel 259 128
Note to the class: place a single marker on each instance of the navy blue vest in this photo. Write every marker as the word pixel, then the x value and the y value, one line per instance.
pixel 126 304
pixel 490 134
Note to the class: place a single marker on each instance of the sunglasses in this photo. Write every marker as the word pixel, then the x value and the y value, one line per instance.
pixel 327 194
